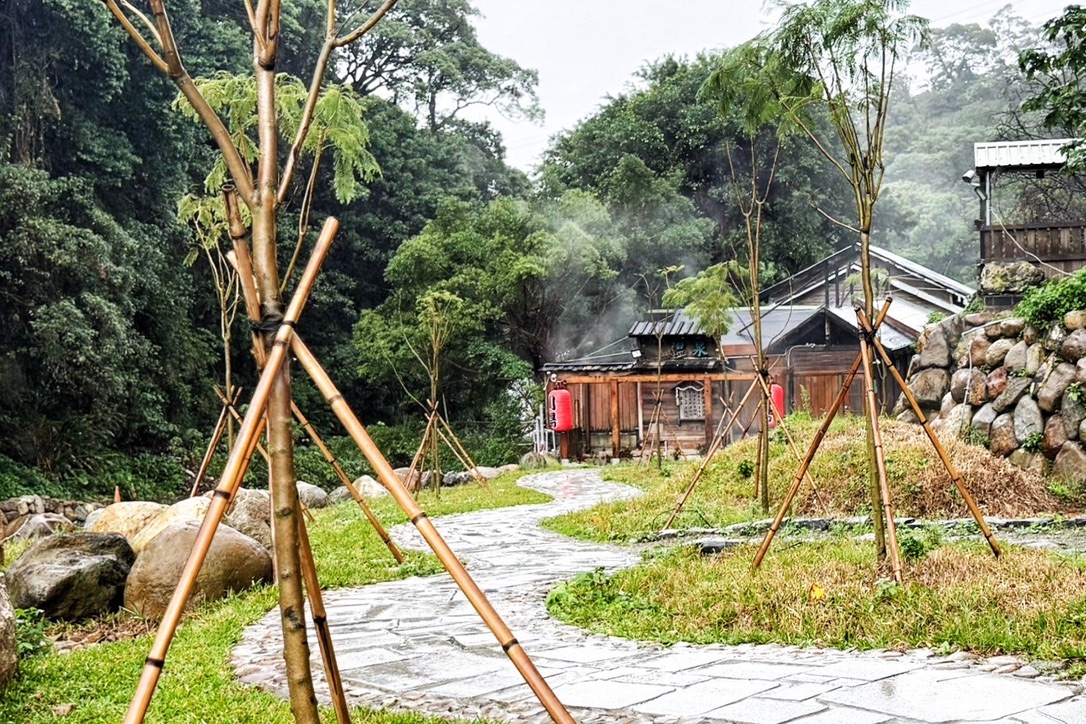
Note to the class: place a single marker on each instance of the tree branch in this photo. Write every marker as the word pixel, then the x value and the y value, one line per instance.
pixel 366 26
pixel 135 34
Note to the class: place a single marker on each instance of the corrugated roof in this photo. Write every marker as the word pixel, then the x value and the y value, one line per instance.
pixel 1020 154
pixel 677 324
pixel 891 338
pixel 775 323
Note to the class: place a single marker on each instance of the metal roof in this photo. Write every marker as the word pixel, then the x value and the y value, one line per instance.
pixel 776 322
pixel 677 324
pixel 1020 154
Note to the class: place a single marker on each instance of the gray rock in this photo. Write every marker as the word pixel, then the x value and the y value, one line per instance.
pixel 983 419
pixel 1016 357
pixel 969 386
pixel 1031 462
pixel 907 415
pixel 1070 464
pixel 340 495
pixel 1073 411
pixel 956 422
pixel 1074 347
pixel 92 518
pixel 533 461
pixel 1035 357
pixel 993 331
pixel 1001 439
pixel 953 327
pixel 1055 337
pixel 1054 437
pixel 1028 420
pixel 1031 335
pixel 712 546
pixel 998 352
pixel 1074 320
pixel 456 478
pixel 1009 277
pixel 936 351
pixel 370 488
pixel 71 577
pixel 411 480
pixel 1050 395
pixel 1016 388
pixel 946 405
pixel 979 319
pixel 234 563
pixel 250 514
pixel 1012 326
pixel 978 351
pixel 37 525
pixel 9 650
pixel 312 496
pixel 1080 371
pixel 929 387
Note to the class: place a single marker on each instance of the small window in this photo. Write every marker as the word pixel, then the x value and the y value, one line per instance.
pixel 691 402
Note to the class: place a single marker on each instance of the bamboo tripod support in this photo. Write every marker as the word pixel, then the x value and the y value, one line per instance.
pixel 868 333
pixel 655 439
pixel 426 528
pixel 434 422
pixel 216 437
pixel 236 464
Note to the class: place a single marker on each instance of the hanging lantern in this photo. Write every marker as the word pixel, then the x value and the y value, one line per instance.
pixel 560 406
pixel 776 392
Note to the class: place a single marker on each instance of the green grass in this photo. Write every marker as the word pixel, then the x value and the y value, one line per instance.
pixel 197 684
pixel 955 597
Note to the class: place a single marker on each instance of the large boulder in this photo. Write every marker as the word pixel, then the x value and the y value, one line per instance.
pixel 1016 388
pixel 312 496
pixel 1070 464
pixel 340 495
pixel 929 387
pixel 1050 395
pixel 250 514
pixel 1029 424
pixel 1002 440
pixel 9 650
pixel 936 351
pixel 997 382
pixel 487 472
pixel 127 518
pixel 1032 462
pixel 1012 326
pixel 1016 357
pixel 1035 357
pixel 983 419
pixel 1075 320
pixel 1055 436
pixel 189 509
pixel 997 352
pixel 370 488
pixel 533 460
pixel 1072 411
pixel 969 386
pixel 956 422
pixel 37 525
pixel 451 479
pixel 1074 347
pixel 1009 277
pixel 235 562
pixel 1055 337
pixel 411 480
pixel 978 351
pixel 71 577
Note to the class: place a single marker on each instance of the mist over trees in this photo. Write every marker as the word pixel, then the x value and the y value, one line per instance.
pixel 109 344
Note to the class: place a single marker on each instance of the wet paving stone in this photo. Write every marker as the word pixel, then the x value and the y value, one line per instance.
pixel 418 645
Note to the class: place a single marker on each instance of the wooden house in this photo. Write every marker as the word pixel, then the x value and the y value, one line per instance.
pixel 672 372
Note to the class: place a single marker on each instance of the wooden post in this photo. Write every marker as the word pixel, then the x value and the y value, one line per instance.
pixel 708 391
pixel 616 428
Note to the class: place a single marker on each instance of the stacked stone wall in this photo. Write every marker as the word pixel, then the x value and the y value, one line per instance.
pixel 1018 389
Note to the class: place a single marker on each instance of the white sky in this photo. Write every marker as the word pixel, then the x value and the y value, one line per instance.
pixel 586 50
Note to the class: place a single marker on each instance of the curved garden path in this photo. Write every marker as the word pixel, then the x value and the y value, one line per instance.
pixel 417 645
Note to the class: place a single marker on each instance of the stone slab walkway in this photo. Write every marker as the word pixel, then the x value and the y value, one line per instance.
pixel 418 645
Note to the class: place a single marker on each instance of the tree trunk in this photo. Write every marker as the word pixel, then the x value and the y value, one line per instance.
pixel 875 493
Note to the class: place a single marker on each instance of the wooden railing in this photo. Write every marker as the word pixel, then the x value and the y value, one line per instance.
pixel 1055 248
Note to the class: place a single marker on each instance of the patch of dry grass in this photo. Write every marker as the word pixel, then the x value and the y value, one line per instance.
pixel 919 483
pixel 833 594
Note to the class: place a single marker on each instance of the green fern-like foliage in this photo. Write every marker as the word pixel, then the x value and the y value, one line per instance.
pixel 1048 303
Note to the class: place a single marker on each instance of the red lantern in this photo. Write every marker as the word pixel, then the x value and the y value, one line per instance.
pixel 560 405
pixel 777 393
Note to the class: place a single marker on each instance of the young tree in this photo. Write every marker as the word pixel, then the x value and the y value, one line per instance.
pixel 843 56
pixel 263 175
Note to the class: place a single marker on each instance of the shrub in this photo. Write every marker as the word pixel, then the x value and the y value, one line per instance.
pixel 1049 302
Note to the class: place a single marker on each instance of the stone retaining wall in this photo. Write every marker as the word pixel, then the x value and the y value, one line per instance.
pixel 74 510
pixel 1019 389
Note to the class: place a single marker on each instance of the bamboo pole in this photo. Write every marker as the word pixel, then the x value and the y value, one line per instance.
pixel 320 624
pixel 216 437
pixel 236 465
pixel 880 457
pixel 791 442
pixel 347 483
pixel 419 519
pixel 708 456
pixel 462 455
pixel 815 443
pixel 955 476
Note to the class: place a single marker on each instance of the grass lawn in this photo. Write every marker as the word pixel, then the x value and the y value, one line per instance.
pixel 831 593
pixel 919 484
pixel 197 684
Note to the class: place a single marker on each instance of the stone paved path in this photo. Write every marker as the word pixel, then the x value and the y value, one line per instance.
pixel 417 645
